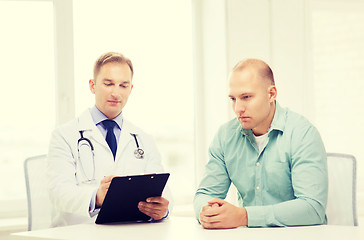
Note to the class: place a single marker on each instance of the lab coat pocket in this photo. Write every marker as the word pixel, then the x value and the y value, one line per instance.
pixel 135 166
pixel 129 164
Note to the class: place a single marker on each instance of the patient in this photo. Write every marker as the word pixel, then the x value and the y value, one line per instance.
pixel 273 156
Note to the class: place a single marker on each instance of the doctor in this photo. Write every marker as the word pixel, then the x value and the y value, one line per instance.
pixel 87 152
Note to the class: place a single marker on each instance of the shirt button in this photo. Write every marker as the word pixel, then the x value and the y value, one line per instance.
pixel 258 187
pixel 258 164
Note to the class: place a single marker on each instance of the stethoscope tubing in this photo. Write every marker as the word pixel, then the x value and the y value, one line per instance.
pixel 138 153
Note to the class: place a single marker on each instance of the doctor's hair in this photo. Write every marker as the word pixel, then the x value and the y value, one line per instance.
pixel 112 57
pixel 259 66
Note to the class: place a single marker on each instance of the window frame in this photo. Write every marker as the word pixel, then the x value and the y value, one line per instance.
pixel 64 95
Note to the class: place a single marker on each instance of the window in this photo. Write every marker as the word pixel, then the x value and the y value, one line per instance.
pixel 27 91
pixel 338 45
pixel 156 36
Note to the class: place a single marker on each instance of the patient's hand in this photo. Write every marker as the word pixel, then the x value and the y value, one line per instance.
pixel 221 214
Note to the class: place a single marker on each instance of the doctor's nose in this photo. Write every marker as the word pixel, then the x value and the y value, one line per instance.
pixel 115 93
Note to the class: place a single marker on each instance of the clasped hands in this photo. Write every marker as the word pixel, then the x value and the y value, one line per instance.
pixel 155 207
pixel 219 214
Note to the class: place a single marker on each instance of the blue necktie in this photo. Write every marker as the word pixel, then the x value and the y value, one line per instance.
pixel 110 136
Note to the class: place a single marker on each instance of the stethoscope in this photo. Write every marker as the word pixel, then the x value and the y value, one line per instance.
pixel 138 153
pixel 84 141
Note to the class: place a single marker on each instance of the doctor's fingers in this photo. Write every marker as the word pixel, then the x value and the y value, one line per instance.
pixel 102 190
pixel 159 200
pixel 100 195
pixel 152 208
pixel 156 213
pixel 104 186
pixel 157 203
pixel 105 183
pixel 107 179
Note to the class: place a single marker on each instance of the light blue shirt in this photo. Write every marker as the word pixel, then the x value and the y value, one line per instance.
pixel 283 184
pixel 98 117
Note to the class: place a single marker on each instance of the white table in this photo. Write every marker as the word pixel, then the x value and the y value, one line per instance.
pixel 187 228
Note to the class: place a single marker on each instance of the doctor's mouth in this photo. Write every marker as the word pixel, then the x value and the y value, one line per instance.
pixel 114 102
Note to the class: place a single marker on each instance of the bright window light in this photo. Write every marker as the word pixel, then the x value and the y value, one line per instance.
pixel 338 78
pixel 27 89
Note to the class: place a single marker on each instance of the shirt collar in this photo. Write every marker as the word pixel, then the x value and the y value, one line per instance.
pixel 98 117
pixel 279 119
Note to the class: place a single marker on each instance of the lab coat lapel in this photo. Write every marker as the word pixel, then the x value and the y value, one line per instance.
pixel 124 139
pixel 87 124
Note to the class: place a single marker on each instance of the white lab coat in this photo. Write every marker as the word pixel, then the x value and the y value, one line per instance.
pixel 69 194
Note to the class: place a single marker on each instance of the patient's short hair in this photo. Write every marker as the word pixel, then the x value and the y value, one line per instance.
pixel 261 68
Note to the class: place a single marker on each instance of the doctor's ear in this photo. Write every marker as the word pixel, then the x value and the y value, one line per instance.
pixel 91 84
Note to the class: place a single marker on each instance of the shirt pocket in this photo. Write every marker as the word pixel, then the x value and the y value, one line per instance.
pixel 278 179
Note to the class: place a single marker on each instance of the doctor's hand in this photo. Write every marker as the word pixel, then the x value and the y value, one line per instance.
pixel 219 214
pixel 101 192
pixel 155 207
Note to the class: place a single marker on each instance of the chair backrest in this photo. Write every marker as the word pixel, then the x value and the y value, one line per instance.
pixel 341 204
pixel 39 205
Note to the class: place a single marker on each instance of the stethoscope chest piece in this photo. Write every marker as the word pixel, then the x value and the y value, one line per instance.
pixel 139 153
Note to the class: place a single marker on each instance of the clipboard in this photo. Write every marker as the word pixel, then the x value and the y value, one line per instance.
pixel 124 194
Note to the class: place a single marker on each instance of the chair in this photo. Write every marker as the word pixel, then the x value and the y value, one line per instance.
pixel 39 206
pixel 341 204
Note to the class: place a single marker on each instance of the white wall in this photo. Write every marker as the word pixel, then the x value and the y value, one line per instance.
pixel 210 71
pixel 276 32
pixel 229 31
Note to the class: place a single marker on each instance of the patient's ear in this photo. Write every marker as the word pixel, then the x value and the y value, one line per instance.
pixel 272 91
